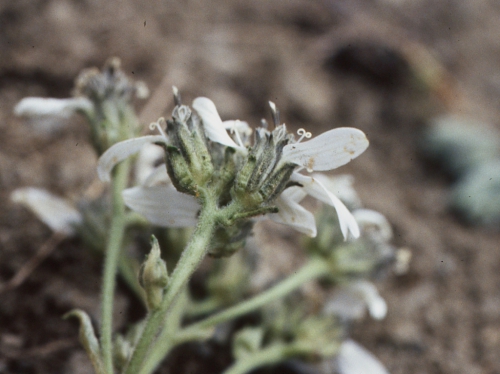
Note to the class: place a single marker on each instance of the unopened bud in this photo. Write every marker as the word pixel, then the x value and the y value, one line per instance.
pixel 153 276
pixel 122 351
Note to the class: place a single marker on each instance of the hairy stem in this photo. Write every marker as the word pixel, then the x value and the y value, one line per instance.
pixel 190 259
pixel 315 268
pixel 111 260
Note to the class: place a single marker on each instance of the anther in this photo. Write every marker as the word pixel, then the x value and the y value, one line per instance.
pixel 158 125
pixel 303 134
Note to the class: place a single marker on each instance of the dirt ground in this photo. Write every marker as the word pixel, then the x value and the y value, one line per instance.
pixel 326 64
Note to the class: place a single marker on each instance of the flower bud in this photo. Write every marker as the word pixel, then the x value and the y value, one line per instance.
pixel 191 162
pixel 153 276
pixel 122 351
pixel 110 92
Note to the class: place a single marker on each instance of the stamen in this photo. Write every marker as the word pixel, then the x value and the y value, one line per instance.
pixel 177 96
pixel 264 124
pixel 157 125
pixel 303 134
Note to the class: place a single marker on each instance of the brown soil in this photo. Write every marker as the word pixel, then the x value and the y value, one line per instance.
pixel 444 314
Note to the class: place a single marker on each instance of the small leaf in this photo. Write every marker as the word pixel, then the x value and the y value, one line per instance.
pixel 88 339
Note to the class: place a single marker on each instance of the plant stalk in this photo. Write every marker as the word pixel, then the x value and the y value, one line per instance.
pixel 315 268
pixel 111 259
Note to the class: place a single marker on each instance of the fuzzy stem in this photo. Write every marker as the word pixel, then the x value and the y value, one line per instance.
pixel 111 260
pixel 190 260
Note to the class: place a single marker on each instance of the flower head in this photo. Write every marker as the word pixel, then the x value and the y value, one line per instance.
pixel 203 152
pixel 103 97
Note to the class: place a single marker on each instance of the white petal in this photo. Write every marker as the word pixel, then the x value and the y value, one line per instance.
pixel 147 161
pixel 163 205
pixel 341 186
pixel 316 189
pixel 369 293
pixel 39 106
pixel 158 176
pixel 54 211
pixel 354 359
pixel 327 151
pixel 292 214
pixel 371 219
pixel 295 194
pixel 120 151
pixel 212 123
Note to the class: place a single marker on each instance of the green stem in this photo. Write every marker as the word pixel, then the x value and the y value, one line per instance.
pixel 190 260
pixel 202 308
pixel 315 268
pixel 111 259
pixel 269 355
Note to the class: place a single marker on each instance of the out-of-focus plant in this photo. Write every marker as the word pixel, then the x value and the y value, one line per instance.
pixel 470 151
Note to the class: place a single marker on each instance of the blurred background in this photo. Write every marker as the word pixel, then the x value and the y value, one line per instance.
pixel 387 67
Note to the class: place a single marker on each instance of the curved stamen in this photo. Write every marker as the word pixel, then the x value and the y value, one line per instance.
pixel 157 125
pixel 303 134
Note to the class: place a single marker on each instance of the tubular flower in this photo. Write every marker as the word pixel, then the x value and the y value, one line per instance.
pixel 260 177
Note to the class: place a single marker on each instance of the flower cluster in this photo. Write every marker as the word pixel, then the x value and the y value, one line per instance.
pixel 204 152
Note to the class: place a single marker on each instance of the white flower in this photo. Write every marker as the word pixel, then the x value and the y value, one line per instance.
pixel 354 359
pixel 147 161
pixel 327 151
pixel 122 150
pixel 291 213
pixel 54 211
pixel 351 299
pixel 316 189
pixel 163 205
pixel 41 107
